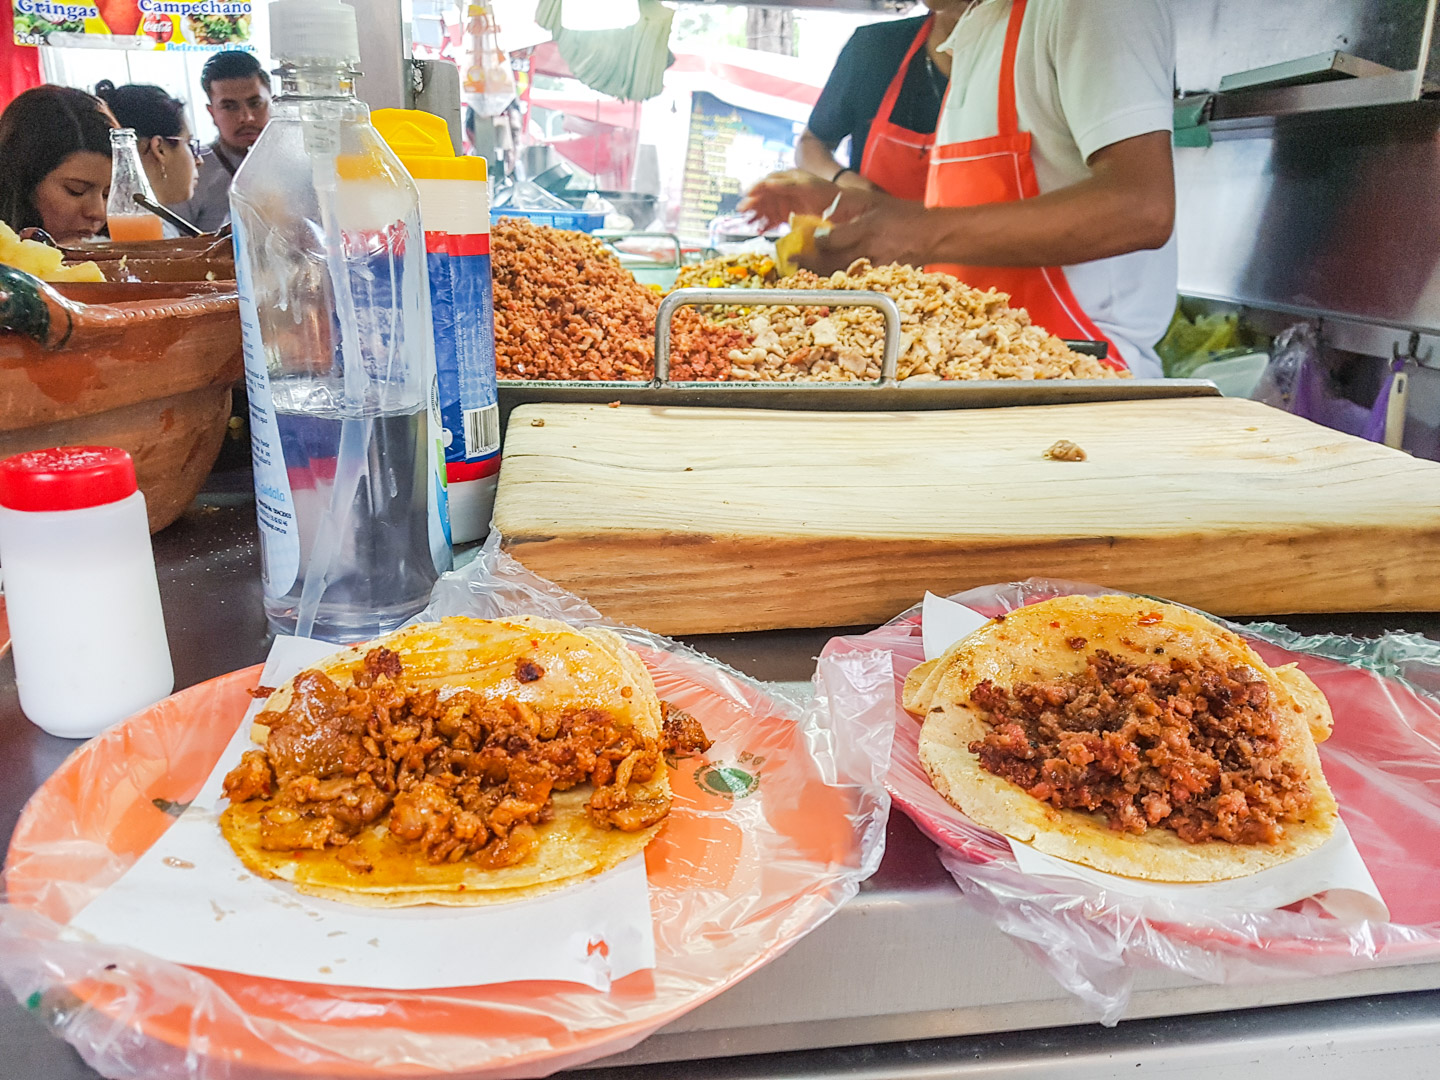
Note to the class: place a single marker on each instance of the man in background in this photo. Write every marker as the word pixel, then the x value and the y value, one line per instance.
pixel 238 93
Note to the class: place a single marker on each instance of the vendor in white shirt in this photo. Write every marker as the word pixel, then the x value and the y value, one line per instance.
pixel 1051 178
pixel 239 102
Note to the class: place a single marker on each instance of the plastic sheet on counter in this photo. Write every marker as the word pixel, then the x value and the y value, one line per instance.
pixel 1382 762
pixel 770 833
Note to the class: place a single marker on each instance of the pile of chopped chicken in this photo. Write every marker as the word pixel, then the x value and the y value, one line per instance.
pixel 460 776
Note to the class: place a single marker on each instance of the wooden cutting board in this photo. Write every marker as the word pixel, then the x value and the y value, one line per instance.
pixel 689 521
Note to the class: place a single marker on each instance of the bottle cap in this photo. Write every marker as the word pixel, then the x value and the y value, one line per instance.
pixel 314 30
pixel 66 478
pixel 421 141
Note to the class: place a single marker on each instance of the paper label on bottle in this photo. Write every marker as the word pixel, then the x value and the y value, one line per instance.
pixel 274 503
pixel 442 314
pixel 468 397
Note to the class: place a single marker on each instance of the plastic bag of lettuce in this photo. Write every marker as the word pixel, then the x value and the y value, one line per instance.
pixel 1191 342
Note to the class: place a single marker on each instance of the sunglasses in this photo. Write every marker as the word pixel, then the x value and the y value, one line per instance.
pixel 175 140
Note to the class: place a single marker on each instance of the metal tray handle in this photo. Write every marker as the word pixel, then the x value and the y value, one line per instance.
pixel 889 363
pixel 614 239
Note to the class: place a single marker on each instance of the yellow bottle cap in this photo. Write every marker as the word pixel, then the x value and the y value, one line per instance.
pixel 421 141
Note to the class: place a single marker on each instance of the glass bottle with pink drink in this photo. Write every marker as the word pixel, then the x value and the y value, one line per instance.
pixel 126 219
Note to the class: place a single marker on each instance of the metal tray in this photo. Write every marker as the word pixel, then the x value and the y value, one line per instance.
pixel 847 397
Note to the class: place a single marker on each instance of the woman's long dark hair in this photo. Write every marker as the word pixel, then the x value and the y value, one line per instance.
pixel 147 109
pixel 39 130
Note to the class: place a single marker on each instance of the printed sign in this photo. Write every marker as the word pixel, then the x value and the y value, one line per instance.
pixel 729 149
pixel 156 25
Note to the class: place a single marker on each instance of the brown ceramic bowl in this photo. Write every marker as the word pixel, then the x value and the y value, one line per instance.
pixel 145 367
pixel 191 258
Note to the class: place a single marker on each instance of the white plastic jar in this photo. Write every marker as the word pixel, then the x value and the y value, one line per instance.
pixel 86 628
pixel 455 214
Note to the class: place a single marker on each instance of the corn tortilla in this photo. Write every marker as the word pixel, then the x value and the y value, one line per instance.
pixel 582 668
pixel 1026 647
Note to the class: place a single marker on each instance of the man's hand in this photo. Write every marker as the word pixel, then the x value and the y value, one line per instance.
pixel 890 231
pixel 774 199
pixel 1126 204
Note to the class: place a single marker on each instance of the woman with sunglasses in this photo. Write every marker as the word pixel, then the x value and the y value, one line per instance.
pixel 167 150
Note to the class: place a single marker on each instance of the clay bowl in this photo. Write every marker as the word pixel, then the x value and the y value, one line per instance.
pixel 182 247
pixel 191 258
pixel 145 367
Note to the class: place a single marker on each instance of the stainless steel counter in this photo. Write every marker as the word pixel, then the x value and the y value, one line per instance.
pixel 906 981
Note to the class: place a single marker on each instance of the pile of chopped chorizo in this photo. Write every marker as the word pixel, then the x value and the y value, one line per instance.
pixel 1175 744
pixel 565 308
pixel 463 777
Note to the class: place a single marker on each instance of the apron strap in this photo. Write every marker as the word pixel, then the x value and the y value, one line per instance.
pixel 892 92
pixel 1009 119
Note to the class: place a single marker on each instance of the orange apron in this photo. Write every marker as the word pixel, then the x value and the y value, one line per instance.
pixel 897 159
pixel 1000 169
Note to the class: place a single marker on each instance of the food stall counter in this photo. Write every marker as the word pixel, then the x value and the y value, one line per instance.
pixel 906 980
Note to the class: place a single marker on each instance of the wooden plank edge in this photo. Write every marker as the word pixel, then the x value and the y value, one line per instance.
pixel 701 585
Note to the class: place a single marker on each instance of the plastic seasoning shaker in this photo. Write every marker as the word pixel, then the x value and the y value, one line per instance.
pixel 87 631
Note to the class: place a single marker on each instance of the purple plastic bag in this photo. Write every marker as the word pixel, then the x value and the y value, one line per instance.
pixel 1296 380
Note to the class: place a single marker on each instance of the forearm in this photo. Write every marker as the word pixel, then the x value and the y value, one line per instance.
pixel 813 156
pixel 1089 220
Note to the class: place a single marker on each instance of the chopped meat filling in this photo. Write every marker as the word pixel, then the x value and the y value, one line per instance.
pixel 463 777
pixel 680 733
pixel 1190 747
pixel 251 779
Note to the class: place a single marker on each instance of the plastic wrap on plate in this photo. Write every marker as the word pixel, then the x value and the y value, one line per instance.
pixel 769 834
pixel 1382 762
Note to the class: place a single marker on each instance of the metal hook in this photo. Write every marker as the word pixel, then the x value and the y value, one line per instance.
pixel 1412 349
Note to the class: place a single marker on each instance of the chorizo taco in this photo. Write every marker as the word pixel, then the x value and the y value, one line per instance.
pixel 1135 737
pixel 464 762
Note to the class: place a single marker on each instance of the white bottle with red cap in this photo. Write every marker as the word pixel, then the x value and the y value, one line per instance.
pixel 86 627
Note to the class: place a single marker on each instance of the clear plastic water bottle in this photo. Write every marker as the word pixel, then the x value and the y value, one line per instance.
pixel 339 366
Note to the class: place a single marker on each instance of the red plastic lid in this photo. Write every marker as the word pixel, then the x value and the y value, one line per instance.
pixel 66 478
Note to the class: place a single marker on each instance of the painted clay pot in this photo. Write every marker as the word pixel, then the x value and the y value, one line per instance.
pixel 145 367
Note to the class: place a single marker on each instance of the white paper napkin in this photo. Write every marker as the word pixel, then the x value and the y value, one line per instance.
pixel 190 900
pixel 944 622
pixel 1334 875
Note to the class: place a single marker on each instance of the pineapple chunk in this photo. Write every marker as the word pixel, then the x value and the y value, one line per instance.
pixel 42 260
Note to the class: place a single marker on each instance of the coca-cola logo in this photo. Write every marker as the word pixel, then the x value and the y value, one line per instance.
pixel 159 27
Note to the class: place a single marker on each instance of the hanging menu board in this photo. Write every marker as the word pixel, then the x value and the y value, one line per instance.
pixel 729 149
pixel 153 25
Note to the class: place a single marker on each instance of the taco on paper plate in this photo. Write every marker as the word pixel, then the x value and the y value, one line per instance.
pixel 1132 736
pixel 464 762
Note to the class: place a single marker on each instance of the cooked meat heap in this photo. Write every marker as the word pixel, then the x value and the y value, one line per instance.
pixel 461 777
pixel 1176 744
pixel 565 308
pixel 948 330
